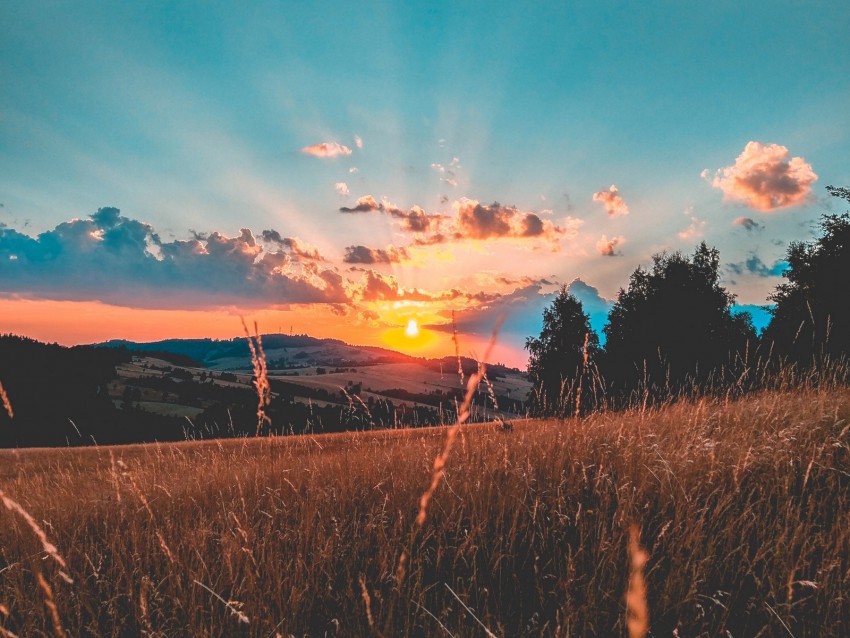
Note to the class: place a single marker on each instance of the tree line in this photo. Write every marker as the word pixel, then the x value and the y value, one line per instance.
pixel 672 331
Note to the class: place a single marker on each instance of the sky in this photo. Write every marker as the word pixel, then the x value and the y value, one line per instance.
pixel 339 169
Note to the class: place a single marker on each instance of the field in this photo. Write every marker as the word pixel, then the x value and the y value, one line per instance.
pixel 407 383
pixel 743 508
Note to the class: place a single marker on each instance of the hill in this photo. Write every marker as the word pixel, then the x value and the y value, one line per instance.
pixel 282 351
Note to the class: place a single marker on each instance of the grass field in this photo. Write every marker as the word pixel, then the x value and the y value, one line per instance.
pixel 743 507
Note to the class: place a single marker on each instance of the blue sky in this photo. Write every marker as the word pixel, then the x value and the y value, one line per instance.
pixel 193 117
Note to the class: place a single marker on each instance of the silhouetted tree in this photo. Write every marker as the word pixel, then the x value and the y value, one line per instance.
pixel 673 325
pixel 812 313
pixel 556 357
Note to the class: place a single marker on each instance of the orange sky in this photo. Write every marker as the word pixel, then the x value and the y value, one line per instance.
pixel 75 322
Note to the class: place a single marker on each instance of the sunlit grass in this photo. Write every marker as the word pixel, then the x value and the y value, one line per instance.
pixel 743 509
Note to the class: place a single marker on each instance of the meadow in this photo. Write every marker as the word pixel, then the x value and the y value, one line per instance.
pixel 743 507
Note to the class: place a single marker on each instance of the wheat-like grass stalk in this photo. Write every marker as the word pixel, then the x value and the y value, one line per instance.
pixel 261 379
pixel 232 605
pixel 457 350
pixel 637 609
pixel 49 548
pixel 6 403
pixel 50 602
pixel 581 376
pixel 5 633
pixel 367 601
pixel 463 414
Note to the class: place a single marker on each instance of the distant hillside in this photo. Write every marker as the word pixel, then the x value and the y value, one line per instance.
pixel 282 352
pixel 287 352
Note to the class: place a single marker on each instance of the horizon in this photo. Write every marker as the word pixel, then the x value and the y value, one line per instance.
pixel 341 173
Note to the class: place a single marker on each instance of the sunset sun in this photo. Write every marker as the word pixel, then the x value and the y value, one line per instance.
pixel 412 329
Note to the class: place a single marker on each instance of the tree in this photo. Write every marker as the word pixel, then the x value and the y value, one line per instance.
pixel 674 325
pixel 812 313
pixel 557 356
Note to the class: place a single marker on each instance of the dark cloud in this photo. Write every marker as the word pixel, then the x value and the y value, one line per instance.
pixel 416 220
pixel 365 204
pixel 297 248
pixel 748 223
pixel 525 281
pixel 366 255
pixel 477 221
pixel 112 258
pixel 753 265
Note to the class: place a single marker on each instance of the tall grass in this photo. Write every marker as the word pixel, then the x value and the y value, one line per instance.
pixel 743 506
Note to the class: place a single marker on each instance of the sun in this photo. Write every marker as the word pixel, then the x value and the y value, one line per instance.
pixel 412 329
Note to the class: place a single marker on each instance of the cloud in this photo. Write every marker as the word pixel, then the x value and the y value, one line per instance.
pixel 448 174
pixel 117 260
pixel 416 220
pixel 748 223
pixel 472 220
pixel 341 188
pixel 358 142
pixel 299 249
pixel 365 204
pixel 612 201
pixel 366 255
pixel 608 247
pixel 476 221
pixel 524 281
pixel 696 228
pixel 353 169
pixel 326 149
pixel 375 286
pixel 765 178
pixel 523 311
pixel 753 265
pixel 593 303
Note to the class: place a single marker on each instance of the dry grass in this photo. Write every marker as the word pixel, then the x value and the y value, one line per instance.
pixel 743 507
pixel 7 405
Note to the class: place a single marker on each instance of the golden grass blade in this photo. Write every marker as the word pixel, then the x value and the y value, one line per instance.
pixel 489 633
pixel 367 601
pixel 637 609
pixel 231 605
pixel 261 379
pixel 49 548
pixel 451 434
pixel 6 403
pixel 51 606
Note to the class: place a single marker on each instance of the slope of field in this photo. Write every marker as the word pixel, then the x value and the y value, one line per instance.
pixel 744 508
pixel 409 383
